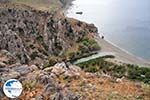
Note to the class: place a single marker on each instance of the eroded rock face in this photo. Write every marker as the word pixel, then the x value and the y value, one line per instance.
pixel 13 43
pixel 30 34
pixel 4 1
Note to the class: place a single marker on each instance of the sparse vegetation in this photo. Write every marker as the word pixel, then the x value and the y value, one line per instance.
pixel 29 85
pixel 88 44
pixel 51 5
pixel 34 55
pixel 45 43
pixel 132 72
pixel 52 60
pixel 83 48
pixel 139 73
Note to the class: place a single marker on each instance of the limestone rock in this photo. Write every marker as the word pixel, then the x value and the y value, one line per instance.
pixel 67 70
pixel 2 65
pixel 1 92
pixel 10 75
pixel 24 69
pixel 29 34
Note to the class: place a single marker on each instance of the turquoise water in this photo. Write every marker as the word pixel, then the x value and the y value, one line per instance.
pixel 125 23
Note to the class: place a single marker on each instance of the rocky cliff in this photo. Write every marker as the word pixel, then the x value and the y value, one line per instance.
pixel 28 34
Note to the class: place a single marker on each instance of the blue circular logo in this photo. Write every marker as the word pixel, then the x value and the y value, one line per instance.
pixel 12 88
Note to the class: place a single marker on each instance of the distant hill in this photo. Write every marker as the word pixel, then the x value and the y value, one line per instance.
pixel 4 1
pixel 41 4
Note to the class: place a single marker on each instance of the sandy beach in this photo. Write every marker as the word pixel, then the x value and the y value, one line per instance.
pixel 120 54
pixel 108 48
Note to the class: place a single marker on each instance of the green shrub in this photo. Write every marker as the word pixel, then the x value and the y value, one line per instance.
pixel 83 49
pixel 92 69
pixel 109 56
pixel 132 72
pixel 91 44
pixel 139 73
pixel 72 55
pixel 34 55
pixel 94 47
pixel 39 38
pixel 51 61
pixel 29 84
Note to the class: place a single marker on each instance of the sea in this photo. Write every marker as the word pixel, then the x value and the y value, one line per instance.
pixel 125 23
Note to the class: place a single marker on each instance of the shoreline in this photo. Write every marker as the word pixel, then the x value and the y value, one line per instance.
pixel 121 55
pixel 66 6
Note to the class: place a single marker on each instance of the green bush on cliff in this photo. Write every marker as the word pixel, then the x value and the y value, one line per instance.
pixel 89 43
pixel 91 69
pixel 83 49
pixel 52 60
pixel 72 55
pixel 34 55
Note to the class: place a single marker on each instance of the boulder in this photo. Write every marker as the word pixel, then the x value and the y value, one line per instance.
pixel 45 78
pixel 2 65
pixel 33 67
pixel 58 96
pixel 1 92
pixel 67 70
pixel 24 69
pixel 10 75
pixel 38 97
pixel 72 96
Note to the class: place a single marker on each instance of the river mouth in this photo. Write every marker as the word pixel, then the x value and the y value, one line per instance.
pixel 125 23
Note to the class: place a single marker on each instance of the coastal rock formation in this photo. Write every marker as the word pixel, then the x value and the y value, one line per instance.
pixel 30 34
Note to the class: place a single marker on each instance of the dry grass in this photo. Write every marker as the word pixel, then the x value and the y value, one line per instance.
pixel 94 87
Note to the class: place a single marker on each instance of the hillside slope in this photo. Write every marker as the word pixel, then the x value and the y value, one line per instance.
pixel 30 34
pixel 37 47
pixel 48 5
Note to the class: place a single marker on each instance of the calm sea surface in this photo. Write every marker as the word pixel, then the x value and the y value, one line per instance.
pixel 125 23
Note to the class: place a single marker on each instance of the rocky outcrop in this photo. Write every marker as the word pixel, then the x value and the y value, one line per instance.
pixel 31 76
pixel 68 82
pixel 28 34
pixel 4 1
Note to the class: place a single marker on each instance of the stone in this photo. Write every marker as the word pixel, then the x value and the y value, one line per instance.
pixel 23 31
pixel 39 97
pixel 24 69
pixel 74 68
pixel 59 68
pixel 33 67
pixel 4 70
pixel 44 78
pixel 2 65
pixel 1 92
pixel 10 75
pixel 72 96
pixel 50 88
pixel 49 69
pixel 58 96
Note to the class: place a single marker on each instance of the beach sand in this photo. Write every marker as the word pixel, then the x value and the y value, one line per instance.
pixel 120 54
pixel 107 47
